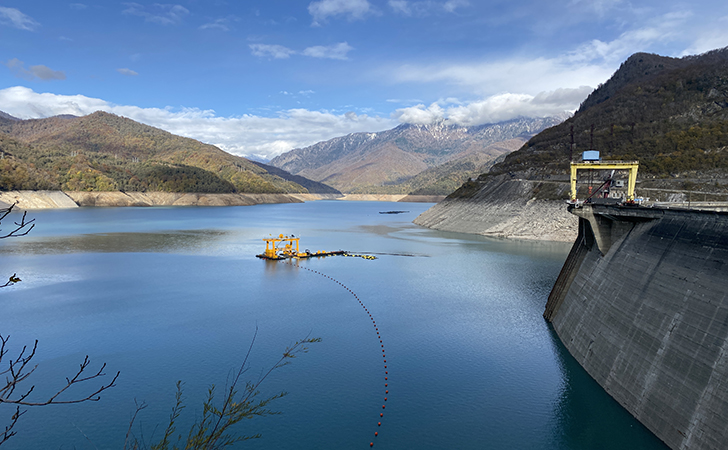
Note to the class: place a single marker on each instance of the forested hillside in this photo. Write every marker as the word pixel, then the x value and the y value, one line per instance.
pixel 103 152
pixel 670 114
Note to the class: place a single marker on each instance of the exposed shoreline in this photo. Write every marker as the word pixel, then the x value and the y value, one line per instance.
pixel 29 200
pixel 505 208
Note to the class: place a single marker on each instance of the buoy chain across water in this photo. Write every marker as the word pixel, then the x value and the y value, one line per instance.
pixel 379 336
pixel 360 256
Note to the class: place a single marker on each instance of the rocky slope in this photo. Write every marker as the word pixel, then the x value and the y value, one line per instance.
pixel 506 208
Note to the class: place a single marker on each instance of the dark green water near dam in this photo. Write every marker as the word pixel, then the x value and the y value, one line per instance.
pixel 167 294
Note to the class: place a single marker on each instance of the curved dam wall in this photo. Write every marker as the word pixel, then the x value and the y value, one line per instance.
pixel 642 304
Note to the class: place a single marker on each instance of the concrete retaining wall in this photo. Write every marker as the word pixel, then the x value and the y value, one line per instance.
pixel 647 316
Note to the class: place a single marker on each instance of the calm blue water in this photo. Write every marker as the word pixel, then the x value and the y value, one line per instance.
pixel 167 294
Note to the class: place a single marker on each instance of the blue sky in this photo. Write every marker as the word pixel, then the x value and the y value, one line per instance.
pixel 258 78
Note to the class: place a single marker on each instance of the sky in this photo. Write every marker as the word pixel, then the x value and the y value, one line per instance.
pixel 261 77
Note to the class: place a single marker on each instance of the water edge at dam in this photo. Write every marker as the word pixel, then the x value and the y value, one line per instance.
pixel 641 304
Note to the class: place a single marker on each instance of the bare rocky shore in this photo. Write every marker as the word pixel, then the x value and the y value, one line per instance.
pixel 66 199
pixel 506 208
pixel 392 198
pixel 61 199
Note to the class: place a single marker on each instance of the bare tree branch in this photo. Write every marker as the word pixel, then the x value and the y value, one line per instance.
pixel 134 444
pixel 8 433
pixel 19 369
pixel 21 229
pixel 12 280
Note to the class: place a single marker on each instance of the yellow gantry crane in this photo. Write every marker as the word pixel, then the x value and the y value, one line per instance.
pixel 271 246
pixel 606 165
pixel 290 249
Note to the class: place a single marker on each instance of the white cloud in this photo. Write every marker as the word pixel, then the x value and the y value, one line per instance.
pixel 306 93
pixel 78 6
pixel 32 73
pixel 419 115
pixel 263 137
pixel 127 72
pixel 493 109
pixel 161 14
pixel 499 108
pixel 509 75
pixel 426 7
pixel 401 6
pixel 271 51
pixel 222 24
pixel 710 37
pixel 336 51
pixel 351 9
pixel 219 24
pixel 267 137
pixel 46 73
pixel 496 108
pixel 600 7
pixel 562 98
pixel 404 101
pixel 16 19
pixel 587 64
pixel 666 28
pixel 452 5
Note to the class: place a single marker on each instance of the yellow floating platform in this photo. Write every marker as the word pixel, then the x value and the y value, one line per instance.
pixel 302 255
pixel 289 249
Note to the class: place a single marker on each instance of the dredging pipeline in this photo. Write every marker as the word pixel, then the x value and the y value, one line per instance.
pixel 642 304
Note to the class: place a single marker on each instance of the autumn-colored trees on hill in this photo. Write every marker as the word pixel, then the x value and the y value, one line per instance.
pixel 104 152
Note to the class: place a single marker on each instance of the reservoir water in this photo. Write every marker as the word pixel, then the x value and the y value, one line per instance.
pixel 167 294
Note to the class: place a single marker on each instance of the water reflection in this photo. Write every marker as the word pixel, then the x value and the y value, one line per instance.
pixel 272 268
pixel 163 242
pixel 578 425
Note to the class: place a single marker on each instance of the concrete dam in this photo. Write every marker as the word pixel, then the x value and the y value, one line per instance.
pixel 642 304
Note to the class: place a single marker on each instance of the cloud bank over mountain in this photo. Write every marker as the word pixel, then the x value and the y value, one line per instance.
pixel 497 108
pixel 266 137
pixel 259 78
pixel 247 135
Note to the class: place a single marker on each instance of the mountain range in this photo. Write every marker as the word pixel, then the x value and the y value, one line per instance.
pixel 420 159
pixel 671 114
pixel 105 152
